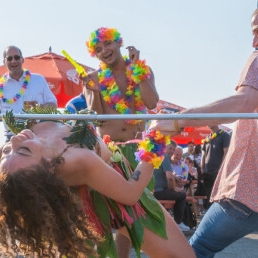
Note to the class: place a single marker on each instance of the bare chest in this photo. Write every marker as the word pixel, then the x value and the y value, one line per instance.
pixel 122 83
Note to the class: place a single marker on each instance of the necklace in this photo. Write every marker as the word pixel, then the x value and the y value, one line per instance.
pixel 112 95
pixel 17 95
pixel 182 164
pixel 212 136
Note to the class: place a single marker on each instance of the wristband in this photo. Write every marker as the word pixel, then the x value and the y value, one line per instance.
pixel 152 148
pixel 176 126
pixel 139 71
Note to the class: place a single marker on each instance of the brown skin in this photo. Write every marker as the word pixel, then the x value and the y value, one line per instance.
pixel 109 53
pixel 84 166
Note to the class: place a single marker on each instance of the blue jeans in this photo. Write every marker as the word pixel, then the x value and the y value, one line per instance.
pixel 224 223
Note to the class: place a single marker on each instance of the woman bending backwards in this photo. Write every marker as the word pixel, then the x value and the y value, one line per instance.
pixel 62 191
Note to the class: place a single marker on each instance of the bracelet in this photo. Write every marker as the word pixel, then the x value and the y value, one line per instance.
pixel 176 125
pixel 152 148
pixel 139 71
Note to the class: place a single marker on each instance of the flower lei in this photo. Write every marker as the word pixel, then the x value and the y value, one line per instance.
pixel 21 91
pixel 135 73
pixel 152 148
pixel 182 164
pixel 212 136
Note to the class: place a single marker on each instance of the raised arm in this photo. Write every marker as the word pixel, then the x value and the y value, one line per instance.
pixel 149 93
pixel 244 101
pixel 83 166
pixel 148 90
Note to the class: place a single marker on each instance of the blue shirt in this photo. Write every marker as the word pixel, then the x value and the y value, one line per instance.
pixel 76 104
pixel 181 169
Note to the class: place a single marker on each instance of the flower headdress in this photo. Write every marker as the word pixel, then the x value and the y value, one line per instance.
pixel 100 35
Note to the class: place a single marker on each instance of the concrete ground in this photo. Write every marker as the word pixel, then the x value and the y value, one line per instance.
pixel 246 247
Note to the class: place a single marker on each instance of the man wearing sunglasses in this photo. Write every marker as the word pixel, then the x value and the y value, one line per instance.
pixel 19 88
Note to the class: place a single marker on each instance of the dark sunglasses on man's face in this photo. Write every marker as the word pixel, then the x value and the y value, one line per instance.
pixel 10 58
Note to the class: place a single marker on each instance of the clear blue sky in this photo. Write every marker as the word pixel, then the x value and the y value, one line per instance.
pixel 195 48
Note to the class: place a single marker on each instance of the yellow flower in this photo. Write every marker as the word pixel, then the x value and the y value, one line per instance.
pixel 156 161
pixel 112 146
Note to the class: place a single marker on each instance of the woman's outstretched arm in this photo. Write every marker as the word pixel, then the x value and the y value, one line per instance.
pixel 83 166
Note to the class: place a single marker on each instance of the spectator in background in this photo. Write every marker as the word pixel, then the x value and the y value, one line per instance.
pixel 76 104
pixel 197 154
pixel 19 88
pixel 197 158
pixel 215 147
pixel 192 176
pixel 190 150
pixel 178 165
pixel 164 188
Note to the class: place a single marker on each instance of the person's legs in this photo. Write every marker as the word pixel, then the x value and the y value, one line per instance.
pixel 123 245
pixel 224 223
pixel 208 182
pixel 175 245
pixel 179 197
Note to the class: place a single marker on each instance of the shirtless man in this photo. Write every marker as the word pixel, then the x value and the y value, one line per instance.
pixel 105 44
pixel 107 50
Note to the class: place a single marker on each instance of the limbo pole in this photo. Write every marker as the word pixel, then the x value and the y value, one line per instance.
pixel 95 117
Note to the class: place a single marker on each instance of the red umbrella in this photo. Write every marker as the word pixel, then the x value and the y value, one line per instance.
pixel 190 134
pixel 60 75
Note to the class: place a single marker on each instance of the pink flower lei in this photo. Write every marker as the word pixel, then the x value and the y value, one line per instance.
pixel 112 95
pixel 17 95
pixel 182 164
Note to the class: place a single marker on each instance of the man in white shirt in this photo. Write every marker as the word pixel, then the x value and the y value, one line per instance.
pixel 18 86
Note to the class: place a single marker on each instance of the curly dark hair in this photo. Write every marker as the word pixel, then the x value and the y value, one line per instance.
pixel 40 216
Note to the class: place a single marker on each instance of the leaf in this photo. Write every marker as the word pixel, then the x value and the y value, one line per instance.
pixel 136 233
pixel 155 219
pixel 42 110
pixel 14 125
pixel 82 133
pixel 107 247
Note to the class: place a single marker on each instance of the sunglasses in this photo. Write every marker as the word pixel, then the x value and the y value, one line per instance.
pixel 10 58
